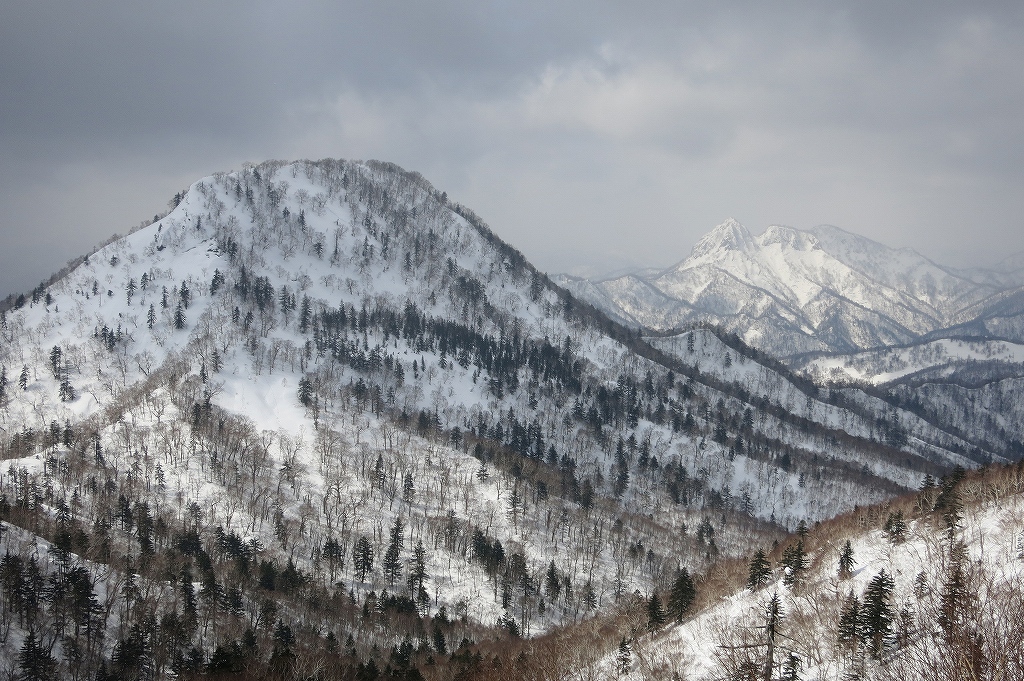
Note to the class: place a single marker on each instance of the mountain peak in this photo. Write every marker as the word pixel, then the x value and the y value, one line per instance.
pixel 788 237
pixel 728 236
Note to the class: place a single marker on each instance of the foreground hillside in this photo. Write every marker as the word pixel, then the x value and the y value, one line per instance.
pixel 930 586
pixel 319 420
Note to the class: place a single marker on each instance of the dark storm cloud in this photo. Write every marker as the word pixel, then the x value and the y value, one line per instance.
pixel 585 133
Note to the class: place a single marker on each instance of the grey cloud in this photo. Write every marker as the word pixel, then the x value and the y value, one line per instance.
pixel 659 119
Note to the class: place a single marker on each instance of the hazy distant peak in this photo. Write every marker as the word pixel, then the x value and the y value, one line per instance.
pixel 728 236
pixel 839 242
pixel 788 237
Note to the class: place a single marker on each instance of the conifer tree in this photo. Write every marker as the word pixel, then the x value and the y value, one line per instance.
pixel 773 614
pixel 846 561
pixel 849 621
pixel 794 559
pixel 362 558
pixel 759 572
pixel 417 578
pixel 655 612
pixel 877 614
pixel 791 668
pixel 552 583
pixel 305 392
pixel 55 361
pixel 681 596
pixel 896 527
pixel 392 565
pixel 66 392
pixel 624 658
pixel 35 663
pixel 408 488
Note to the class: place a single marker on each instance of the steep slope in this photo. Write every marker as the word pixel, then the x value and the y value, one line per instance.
pixel 322 383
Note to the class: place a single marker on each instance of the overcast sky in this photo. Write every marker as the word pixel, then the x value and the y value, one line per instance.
pixel 587 134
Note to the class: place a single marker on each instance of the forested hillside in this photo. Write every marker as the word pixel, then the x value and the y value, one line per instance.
pixel 319 421
pixel 928 586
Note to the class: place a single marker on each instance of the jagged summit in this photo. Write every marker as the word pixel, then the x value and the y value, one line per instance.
pixel 728 236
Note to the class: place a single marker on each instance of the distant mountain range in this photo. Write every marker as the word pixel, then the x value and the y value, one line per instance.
pixel 790 291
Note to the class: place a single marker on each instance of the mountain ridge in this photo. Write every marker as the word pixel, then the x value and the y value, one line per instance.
pixel 874 295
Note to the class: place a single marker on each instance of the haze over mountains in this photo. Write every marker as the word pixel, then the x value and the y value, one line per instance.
pixel 791 291
pixel 370 430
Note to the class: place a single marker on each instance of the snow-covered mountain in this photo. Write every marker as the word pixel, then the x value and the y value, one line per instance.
pixel 324 383
pixel 790 291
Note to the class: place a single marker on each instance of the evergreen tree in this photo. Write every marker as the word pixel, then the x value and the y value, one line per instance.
pixel 417 578
pixel 794 559
pixel 437 634
pixel 896 527
pixel 877 614
pixel 759 572
pixel 958 611
pixel 362 558
pixel 655 613
pixel 624 658
pixel 408 488
pixel 305 313
pixel 552 583
pixel 179 317
pixel 681 596
pixel 35 663
pixel 184 295
pixel 66 391
pixel 151 317
pixel 849 621
pixel 392 564
pixel 305 392
pixel 216 282
pixel 55 361
pixel 791 668
pixel 846 561
pixel 773 614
